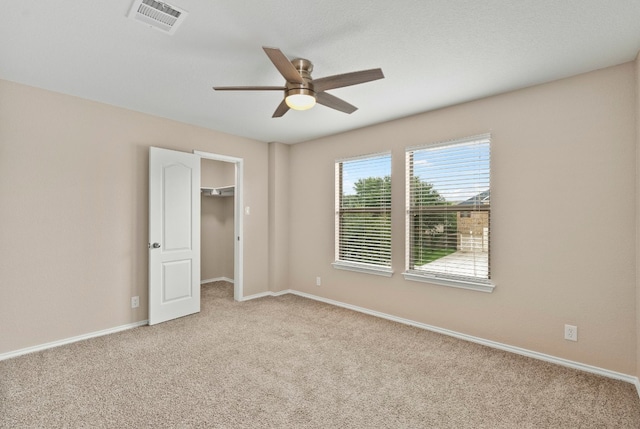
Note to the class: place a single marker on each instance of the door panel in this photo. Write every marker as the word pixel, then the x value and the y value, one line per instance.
pixel 176 199
pixel 176 281
pixel 174 234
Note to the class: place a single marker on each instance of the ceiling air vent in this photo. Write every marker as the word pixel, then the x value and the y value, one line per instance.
pixel 157 14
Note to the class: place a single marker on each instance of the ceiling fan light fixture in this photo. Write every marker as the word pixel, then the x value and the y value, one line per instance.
pixel 300 99
pixel 301 91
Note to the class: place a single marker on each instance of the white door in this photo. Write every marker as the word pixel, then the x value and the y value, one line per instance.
pixel 174 234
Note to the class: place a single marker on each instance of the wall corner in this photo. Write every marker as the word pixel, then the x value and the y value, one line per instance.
pixel 637 214
pixel 278 216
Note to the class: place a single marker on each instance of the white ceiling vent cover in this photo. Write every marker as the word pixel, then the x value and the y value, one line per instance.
pixel 157 14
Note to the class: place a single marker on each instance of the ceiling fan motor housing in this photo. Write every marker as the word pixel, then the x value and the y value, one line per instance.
pixel 304 67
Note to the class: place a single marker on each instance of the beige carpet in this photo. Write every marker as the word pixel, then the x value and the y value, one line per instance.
pixel 289 362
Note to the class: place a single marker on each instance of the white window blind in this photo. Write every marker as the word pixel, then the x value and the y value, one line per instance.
pixel 363 213
pixel 448 210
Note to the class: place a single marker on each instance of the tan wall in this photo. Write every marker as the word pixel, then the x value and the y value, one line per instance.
pixel 217 222
pixel 279 179
pixel 74 216
pixel 637 70
pixel 563 216
pixel 217 174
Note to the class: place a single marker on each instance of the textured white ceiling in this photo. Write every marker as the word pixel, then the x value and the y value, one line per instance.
pixel 434 53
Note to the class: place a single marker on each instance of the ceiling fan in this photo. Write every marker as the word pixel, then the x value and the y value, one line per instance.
pixel 301 90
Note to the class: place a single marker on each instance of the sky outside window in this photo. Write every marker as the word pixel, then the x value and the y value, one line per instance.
pixel 354 170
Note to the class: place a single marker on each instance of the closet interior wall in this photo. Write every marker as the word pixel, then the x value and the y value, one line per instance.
pixel 217 222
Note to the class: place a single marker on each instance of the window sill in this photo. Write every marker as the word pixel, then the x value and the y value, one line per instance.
pixel 479 286
pixel 363 268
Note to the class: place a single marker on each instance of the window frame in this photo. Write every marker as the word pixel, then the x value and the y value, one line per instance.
pixel 443 279
pixel 341 264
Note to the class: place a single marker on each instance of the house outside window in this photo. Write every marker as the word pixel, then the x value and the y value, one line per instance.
pixel 363 214
pixel 448 213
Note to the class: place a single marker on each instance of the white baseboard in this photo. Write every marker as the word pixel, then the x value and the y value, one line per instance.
pixel 256 296
pixel 265 294
pixel 493 344
pixel 217 279
pixel 496 345
pixel 58 343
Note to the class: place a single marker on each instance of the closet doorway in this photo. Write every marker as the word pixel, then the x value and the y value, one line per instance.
pixel 221 238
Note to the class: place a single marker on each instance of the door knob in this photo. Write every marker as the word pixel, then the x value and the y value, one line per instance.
pixel 156 245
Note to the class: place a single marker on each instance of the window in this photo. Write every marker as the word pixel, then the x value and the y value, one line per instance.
pixel 448 213
pixel 363 214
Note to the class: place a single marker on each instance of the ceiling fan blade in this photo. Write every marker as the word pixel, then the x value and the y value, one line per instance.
pixel 346 79
pixel 335 103
pixel 249 88
pixel 281 110
pixel 284 66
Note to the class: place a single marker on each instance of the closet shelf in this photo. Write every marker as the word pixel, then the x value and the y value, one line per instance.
pixel 224 191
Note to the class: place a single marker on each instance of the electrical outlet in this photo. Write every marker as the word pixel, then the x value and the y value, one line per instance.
pixel 570 332
pixel 135 301
pixel 318 281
